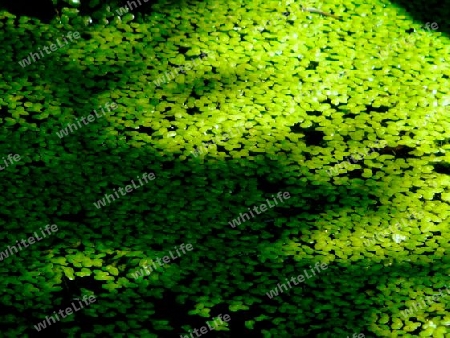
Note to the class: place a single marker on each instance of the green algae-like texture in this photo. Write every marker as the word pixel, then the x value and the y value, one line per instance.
pixel 281 97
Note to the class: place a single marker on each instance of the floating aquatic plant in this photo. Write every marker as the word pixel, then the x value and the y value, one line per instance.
pixel 303 91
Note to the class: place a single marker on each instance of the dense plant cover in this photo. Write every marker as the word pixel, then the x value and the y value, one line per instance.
pixel 227 104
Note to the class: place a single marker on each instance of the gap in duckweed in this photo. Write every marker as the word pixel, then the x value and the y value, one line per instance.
pixel 387 122
pixel 78 217
pixel 337 107
pixel 270 185
pixel 296 128
pixel 221 149
pixel 168 117
pixel 168 165
pixel 142 129
pixel 380 109
pixel 32 118
pixel 291 211
pixel 442 168
pixel 400 151
pixel 312 65
pixel 167 308
pixel 314 137
pixel 193 111
pixel 357 173
pixel 39 164
pixel 72 288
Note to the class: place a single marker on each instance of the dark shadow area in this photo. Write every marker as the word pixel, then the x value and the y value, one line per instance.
pixel 43 10
pixel 428 11
pixel 111 160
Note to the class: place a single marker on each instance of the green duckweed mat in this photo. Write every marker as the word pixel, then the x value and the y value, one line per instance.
pixel 342 104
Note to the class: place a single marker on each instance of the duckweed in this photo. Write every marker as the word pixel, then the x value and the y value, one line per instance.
pixel 306 93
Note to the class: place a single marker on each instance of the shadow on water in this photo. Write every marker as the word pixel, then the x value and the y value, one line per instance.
pixel 43 10
pixel 428 11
